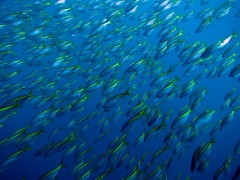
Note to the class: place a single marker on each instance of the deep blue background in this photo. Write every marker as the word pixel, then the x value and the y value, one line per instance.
pixel 32 167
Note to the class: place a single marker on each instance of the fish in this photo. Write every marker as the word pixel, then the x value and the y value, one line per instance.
pixel 52 173
pixel 10 107
pixel 119 89
pixel 112 101
pixel 13 158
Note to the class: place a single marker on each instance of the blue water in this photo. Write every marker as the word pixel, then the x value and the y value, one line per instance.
pixel 55 33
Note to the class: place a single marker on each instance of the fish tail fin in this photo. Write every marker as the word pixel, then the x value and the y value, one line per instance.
pixel 90 148
pixel 41 130
pixel 167 146
pixel 62 164
pixel 177 78
pixel 234 34
pixel 143 112
pixel 127 92
pixel 163 124
pixel 27 148
pixel 17 105
pixel 194 80
pixel 213 141
pixel 171 69
pixel 111 169
pixel 30 94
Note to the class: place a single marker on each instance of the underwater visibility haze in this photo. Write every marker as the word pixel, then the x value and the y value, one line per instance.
pixel 120 89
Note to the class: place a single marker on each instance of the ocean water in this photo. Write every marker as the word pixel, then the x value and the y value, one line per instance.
pixel 61 59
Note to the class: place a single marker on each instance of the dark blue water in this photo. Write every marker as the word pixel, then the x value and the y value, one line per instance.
pixel 37 34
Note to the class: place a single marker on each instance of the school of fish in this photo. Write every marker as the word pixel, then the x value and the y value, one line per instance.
pixel 119 89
